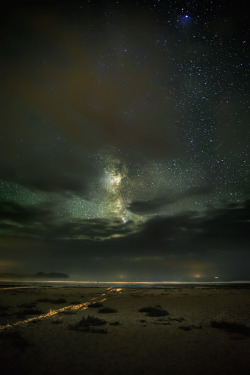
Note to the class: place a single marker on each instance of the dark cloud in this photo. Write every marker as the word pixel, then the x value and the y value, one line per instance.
pixel 95 229
pixel 40 222
pixel 16 213
pixel 150 206
pixel 221 229
pixel 57 93
pixel 154 205
pixel 176 246
pixel 43 161
pixel 34 221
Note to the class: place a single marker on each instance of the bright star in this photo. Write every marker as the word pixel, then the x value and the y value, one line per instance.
pixel 185 19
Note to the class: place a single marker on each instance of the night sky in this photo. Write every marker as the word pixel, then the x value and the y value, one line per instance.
pixel 125 139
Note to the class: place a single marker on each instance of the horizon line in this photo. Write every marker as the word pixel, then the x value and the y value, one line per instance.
pixel 131 282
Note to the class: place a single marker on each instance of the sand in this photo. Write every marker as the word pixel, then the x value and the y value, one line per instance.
pixel 183 342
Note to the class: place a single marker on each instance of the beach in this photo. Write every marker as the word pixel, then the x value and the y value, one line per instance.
pixel 180 330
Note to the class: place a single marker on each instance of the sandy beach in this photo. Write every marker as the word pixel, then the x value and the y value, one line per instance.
pixel 46 330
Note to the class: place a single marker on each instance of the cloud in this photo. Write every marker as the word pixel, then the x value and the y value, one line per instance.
pixel 149 206
pixel 16 213
pixel 59 100
pixel 221 229
pixel 225 228
pixel 37 221
pixel 154 205
pixel 38 160
pixel 172 246
pixel 94 229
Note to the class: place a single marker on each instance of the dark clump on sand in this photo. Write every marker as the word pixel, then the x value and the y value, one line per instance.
pixel 154 311
pixel 231 327
pixel 116 323
pixel 107 310
pixel 87 324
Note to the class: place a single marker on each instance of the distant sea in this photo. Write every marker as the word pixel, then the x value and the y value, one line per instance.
pixel 126 284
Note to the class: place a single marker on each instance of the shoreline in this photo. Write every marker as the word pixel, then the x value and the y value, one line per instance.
pixel 124 284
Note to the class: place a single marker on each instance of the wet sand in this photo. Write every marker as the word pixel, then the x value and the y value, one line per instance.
pixel 182 342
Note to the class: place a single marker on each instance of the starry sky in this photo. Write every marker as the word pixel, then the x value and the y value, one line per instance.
pixel 125 139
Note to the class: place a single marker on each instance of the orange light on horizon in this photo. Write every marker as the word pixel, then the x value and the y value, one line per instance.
pixel 197 276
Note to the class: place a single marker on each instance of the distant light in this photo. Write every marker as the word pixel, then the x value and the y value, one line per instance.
pixel 197 276
pixel 216 277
